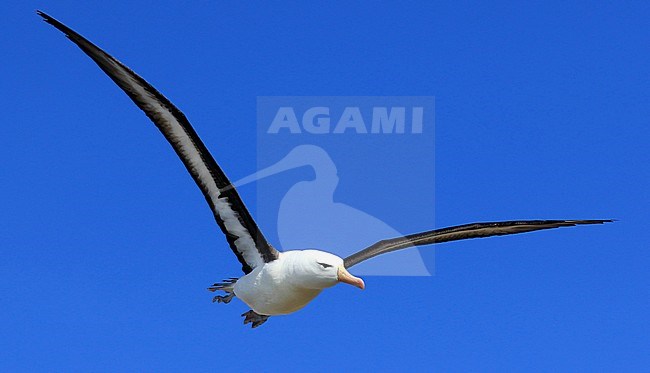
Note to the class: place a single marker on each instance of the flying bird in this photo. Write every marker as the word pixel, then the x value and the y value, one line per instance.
pixel 274 283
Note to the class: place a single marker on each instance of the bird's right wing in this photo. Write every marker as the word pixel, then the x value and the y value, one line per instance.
pixel 243 235
pixel 461 232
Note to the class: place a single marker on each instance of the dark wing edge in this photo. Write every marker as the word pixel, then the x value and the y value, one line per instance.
pixel 461 232
pixel 243 235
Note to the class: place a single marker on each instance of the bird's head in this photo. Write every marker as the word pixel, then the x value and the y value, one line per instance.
pixel 319 270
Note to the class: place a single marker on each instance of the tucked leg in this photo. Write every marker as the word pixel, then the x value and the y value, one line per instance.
pixel 223 298
pixel 254 318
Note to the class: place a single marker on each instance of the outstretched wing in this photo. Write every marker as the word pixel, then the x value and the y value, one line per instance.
pixel 461 232
pixel 243 235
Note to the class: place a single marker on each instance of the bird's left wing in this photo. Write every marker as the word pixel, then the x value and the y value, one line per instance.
pixel 243 235
pixel 461 232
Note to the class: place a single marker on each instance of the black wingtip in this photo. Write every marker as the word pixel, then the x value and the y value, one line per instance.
pixel 574 223
pixel 594 221
pixel 45 16
pixel 67 31
pixel 52 21
pixel 49 19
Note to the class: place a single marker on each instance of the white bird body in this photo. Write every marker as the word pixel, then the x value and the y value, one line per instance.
pixel 272 290
pixel 288 283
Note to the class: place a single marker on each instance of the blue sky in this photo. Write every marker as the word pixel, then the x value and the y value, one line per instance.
pixel 541 112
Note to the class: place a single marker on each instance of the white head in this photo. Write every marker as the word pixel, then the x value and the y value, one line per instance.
pixel 315 269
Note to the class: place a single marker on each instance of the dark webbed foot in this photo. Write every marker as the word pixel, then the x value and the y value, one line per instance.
pixel 223 298
pixel 255 318
pixel 227 287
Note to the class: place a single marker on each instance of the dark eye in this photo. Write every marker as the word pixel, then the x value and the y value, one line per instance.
pixel 324 265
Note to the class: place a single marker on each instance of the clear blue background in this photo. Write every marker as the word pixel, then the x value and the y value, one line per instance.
pixel 542 112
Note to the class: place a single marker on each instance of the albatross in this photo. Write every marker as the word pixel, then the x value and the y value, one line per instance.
pixel 274 282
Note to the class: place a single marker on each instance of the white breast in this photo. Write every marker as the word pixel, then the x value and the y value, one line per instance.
pixel 267 290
